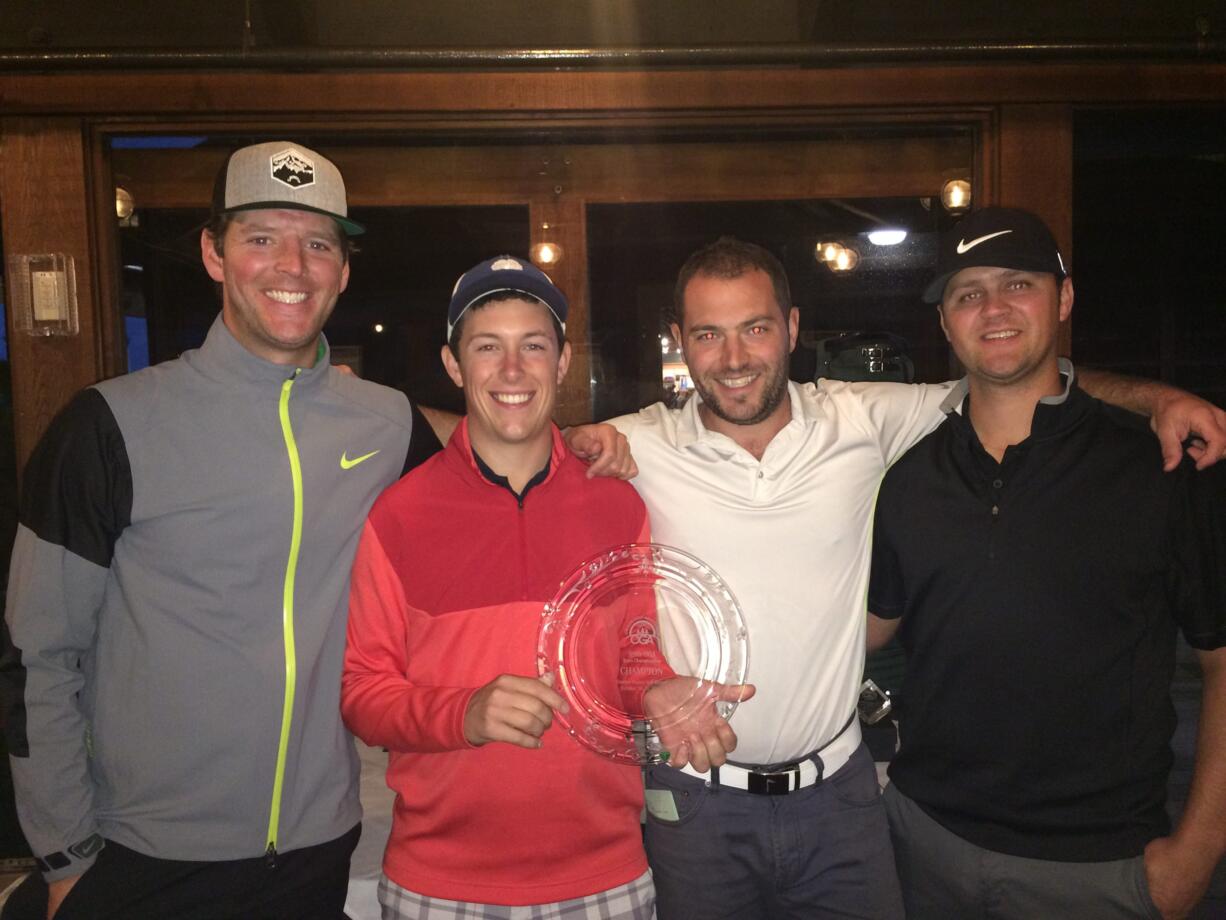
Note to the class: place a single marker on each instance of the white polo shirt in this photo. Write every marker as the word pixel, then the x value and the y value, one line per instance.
pixel 790 534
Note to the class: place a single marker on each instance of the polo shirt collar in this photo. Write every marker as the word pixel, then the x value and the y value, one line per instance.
pixel 1052 414
pixel 488 472
pixel 222 357
pixel 957 396
pixel 692 433
pixel 461 449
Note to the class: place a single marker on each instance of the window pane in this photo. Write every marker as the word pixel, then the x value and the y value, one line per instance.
pixel 624 207
pixel 636 251
pixel 389 324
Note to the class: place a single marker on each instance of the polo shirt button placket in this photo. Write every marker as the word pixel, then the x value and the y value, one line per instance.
pixel 997 485
pixel 755 481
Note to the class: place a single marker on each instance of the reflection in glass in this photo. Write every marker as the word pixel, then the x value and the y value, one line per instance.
pixel 635 251
pixel 389 324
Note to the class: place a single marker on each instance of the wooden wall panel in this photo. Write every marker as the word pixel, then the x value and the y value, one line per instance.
pixel 616 93
pixel 563 221
pixel 390 176
pixel 1035 172
pixel 45 207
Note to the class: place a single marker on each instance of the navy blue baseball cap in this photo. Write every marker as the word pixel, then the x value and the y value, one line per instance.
pixel 996 238
pixel 505 273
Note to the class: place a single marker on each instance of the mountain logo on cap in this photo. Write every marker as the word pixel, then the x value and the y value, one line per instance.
pixel 292 169
pixel 506 265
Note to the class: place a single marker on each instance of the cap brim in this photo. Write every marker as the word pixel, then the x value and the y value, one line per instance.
pixel 451 323
pixel 936 287
pixel 350 227
pixel 935 291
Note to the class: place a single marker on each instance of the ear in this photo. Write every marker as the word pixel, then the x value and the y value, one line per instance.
pixel 1066 299
pixel 213 263
pixel 793 328
pixel 344 277
pixel 452 367
pixel 563 362
pixel 941 318
pixel 675 331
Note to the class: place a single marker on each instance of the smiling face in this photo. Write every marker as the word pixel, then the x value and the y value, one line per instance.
pixel 281 274
pixel 1003 324
pixel 736 340
pixel 510 367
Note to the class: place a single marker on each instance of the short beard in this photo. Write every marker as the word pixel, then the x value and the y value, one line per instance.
pixel 774 394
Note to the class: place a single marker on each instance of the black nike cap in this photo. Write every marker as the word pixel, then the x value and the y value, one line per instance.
pixel 996 238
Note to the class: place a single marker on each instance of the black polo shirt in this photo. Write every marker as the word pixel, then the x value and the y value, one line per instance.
pixel 1039 599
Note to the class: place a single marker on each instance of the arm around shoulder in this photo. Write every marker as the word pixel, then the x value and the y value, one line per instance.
pixel 1175 415
pixel 900 414
pixel 604 446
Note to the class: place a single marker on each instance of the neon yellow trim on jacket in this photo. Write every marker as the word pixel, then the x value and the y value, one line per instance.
pixel 287 617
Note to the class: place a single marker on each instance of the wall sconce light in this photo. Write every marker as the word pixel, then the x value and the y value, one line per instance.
pixel 956 195
pixel 845 261
pixel 827 252
pixel 546 254
pixel 125 204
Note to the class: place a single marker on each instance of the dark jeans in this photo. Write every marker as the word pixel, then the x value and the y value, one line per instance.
pixel 820 852
pixel 305 884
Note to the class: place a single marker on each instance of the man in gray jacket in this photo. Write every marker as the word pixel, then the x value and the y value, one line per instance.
pixel 179 589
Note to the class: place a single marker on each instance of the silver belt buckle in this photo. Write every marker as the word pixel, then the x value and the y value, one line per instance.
pixel 777 783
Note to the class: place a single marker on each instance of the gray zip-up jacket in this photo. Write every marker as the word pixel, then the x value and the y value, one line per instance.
pixel 177 606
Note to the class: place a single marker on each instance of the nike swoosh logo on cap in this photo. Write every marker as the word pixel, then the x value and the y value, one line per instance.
pixel 964 246
pixel 347 464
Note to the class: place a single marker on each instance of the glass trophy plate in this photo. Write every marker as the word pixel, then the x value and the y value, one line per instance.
pixel 640 641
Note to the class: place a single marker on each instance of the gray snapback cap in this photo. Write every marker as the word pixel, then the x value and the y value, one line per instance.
pixel 281 174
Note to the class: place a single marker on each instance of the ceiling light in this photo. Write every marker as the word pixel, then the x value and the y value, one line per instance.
pixel 886 237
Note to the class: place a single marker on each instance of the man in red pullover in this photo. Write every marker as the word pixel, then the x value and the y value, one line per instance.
pixel 493 805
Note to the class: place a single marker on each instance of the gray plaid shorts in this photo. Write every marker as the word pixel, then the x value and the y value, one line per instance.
pixel 635 900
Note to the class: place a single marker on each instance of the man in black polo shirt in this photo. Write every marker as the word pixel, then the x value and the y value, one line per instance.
pixel 1040 562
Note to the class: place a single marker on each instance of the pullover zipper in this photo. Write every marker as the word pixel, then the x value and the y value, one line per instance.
pixel 521 528
pixel 287 622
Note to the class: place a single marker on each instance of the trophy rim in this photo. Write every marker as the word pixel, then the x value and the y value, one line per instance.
pixel 606 728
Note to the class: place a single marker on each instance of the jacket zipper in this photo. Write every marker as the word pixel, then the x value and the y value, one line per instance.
pixel 287 622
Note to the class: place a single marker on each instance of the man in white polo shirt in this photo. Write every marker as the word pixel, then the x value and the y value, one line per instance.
pixel 773 484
